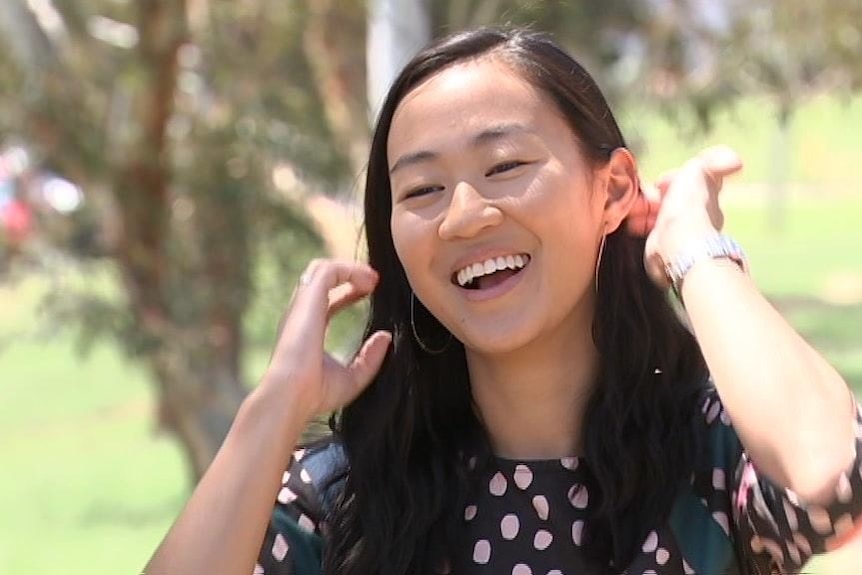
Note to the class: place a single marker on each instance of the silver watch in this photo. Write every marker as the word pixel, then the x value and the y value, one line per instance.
pixel 714 246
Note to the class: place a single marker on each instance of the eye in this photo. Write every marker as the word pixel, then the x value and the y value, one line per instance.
pixel 504 167
pixel 421 191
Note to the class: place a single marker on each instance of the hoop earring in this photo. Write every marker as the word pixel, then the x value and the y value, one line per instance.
pixel 599 259
pixel 418 339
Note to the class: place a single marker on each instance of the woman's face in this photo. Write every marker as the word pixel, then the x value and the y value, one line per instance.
pixel 496 214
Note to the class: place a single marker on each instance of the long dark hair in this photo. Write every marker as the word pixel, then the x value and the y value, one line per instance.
pixel 405 438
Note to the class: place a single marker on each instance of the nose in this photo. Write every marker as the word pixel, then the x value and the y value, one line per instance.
pixel 468 214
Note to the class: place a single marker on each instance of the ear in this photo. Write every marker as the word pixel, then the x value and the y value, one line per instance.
pixel 622 187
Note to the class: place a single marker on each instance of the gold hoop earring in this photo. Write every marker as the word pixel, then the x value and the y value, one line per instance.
pixel 418 339
pixel 599 259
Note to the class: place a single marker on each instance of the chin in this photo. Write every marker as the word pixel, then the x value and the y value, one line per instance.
pixel 495 341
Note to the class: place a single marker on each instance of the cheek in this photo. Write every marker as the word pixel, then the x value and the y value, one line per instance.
pixel 412 245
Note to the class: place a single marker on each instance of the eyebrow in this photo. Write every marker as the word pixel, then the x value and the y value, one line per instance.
pixel 482 138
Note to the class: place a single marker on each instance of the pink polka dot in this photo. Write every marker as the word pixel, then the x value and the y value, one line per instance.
pixel 299 454
pixel 661 556
pixel 482 552
pixel 279 547
pixel 555 572
pixel 523 476
pixel 578 496
pixel 306 523
pixel 718 478
pixel 569 462
pixel 577 531
pixel 713 412
pixel 540 504
pixel 498 484
pixel 542 540
pixel 306 478
pixel 686 568
pixel 509 526
pixel 651 542
pixel 258 570
pixel 521 569
pixel 285 477
pixel 286 496
pixel 470 512
pixel 721 518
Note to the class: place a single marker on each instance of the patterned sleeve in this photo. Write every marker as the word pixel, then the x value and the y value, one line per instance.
pixel 293 542
pixel 775 529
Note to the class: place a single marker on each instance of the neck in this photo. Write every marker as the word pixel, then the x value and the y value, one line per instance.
pixel 531 400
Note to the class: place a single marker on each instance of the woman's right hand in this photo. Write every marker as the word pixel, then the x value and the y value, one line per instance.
pixel 300 367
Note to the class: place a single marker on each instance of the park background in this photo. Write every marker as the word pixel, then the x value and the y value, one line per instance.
pixel 174 163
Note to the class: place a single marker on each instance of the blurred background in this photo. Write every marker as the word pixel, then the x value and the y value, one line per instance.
pixel 167 167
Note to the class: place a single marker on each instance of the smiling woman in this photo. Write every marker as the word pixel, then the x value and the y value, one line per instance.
pixel 527 400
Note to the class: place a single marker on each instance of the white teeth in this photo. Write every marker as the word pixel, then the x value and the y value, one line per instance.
pixel 489 266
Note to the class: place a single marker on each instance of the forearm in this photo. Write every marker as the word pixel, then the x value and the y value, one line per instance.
pixel 792 410
pixel 221 528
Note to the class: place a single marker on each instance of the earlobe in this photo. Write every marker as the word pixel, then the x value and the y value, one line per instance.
pixel 623 187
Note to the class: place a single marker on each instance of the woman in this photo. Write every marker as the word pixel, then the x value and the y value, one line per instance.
pixel 526 399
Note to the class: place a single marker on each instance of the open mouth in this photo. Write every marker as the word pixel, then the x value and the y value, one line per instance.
pixel 491 272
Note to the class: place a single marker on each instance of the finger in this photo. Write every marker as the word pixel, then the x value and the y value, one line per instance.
pixel 311 306
pixel 647 201
pixel 664 180
pixel 720 161
pixel 342 297
pixel 367 362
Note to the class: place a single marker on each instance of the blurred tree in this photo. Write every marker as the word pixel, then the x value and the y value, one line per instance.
pixel 174 116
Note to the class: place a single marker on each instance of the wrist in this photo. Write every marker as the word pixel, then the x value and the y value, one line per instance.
pixel 282 404
pixel 710 248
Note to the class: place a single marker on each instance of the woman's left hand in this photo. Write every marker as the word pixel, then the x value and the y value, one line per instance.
pixel 682 208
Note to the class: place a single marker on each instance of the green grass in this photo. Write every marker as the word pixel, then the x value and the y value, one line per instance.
pixel 822 144
pixel 87 488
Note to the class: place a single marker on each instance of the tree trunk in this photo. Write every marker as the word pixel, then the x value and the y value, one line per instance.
pixel 197 402
pixel 330 45
pixel 189 280
pixel 397 30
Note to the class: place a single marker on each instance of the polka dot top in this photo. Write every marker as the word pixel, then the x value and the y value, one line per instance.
pixel 527 517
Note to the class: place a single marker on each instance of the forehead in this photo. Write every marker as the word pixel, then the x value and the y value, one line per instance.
pixel 464 99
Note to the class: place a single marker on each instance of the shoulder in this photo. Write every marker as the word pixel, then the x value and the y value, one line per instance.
pixel 315 475
pixel 294 538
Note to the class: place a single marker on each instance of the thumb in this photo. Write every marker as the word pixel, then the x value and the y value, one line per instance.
pixel 367 362
pixel 720 161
